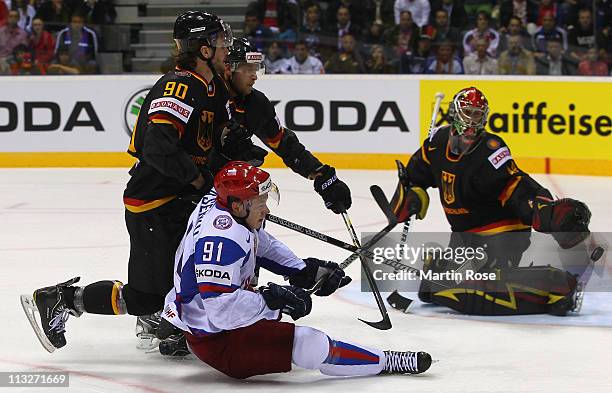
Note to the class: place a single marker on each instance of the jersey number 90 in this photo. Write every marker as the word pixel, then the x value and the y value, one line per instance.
pixel 172 89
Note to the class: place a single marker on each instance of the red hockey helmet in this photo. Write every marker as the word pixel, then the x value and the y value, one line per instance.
pixel 468 115
pixel 239 180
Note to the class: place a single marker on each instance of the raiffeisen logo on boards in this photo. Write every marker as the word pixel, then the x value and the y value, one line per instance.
pixel 536 118
pixel 561 118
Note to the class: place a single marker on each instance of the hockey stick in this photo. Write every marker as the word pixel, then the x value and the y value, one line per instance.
pixel 357 251
pixel 439 96
pixel 385 323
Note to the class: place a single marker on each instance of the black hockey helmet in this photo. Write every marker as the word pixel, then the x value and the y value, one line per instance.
pixel 194 29
pixel 243 52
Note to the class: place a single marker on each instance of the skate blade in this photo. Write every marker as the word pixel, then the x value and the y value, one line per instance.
pixel 30 309
pixel 579 298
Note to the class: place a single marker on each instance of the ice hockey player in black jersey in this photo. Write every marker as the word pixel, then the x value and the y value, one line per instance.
pixel 180 119
pixel 255 113
pixel 490 202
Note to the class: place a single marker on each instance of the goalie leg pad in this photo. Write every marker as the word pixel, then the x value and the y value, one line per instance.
pixel 518 291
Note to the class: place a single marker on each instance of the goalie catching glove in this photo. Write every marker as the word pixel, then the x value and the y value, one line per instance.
pixel 567 220
pixel 316 269
pixel 408 200
pixel 335 193
pixel 290 299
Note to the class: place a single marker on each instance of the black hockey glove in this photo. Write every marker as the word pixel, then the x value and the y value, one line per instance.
pixel 291 300
pixel 567 220
pixel 190 193
pixel 236 144
pixel 314 270
pixel 335 193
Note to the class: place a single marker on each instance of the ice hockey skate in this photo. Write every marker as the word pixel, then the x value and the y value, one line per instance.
pixel 49 305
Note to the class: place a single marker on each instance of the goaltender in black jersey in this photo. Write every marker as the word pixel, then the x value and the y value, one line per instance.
pixel 490 202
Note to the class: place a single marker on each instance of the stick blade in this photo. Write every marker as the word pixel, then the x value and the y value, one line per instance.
pixel 385 324
pixel 399 302
pixel 381 200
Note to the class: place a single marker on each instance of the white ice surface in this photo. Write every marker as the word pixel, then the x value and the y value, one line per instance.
pixel 56 224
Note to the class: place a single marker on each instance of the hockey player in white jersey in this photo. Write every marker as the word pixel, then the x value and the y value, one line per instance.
pixel 236 328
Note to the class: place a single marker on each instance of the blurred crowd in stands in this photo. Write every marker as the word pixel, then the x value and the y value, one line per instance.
pixel 59 37
pixel 478 37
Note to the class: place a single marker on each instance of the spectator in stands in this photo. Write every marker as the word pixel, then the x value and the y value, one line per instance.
pixel 603 14
pixel 55 13
pixel 444 62
pixel 567 10
pixel 419 9
pixel 382 11
pixel 81 42
pixel 26 13
pixel 591 65
pixel 280 16
pixel 3 13
pixel 347 60
pixel 11 35
pixel 525 10
pixel 342 27
pixel 554 62
pixel 302 62
pixel 474 7
pixel 516 60
pixel 377 63
pixel 581 37
pixel 549 30
pixel 311 30
pixel 359 10
pixel 274 61
pixel 455 10
pixel 515 28
pixel 415 62
pixel 441 30
pixel 5 69
pixel 604 43
pixel 259 35
pixel 482 30
pixel 548 7
pixel 62 64
pixel 41 42
pixel 375 34
pixel 480 62
pixel 403 37
pixel 22 62
pixel 98 12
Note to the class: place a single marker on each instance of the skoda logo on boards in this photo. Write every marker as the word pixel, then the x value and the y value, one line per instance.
pixel 132 109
